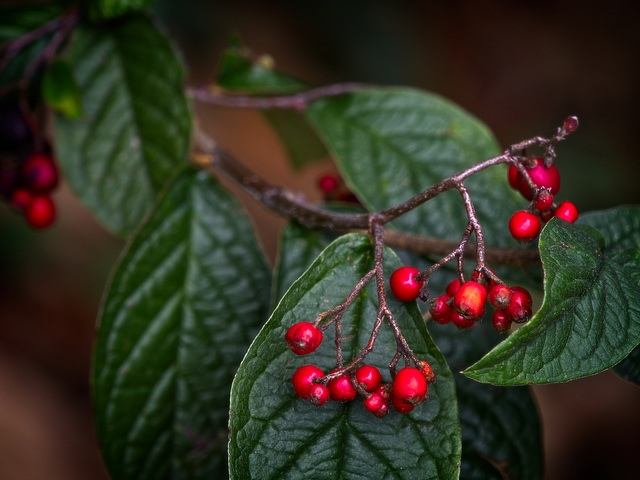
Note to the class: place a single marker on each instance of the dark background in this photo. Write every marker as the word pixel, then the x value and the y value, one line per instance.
pixel 522 67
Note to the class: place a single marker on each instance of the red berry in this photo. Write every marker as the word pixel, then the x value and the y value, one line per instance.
pixel 41 211
pixel 318 394
pixel 404 285
pixel 39 173
pixel 453 287
pixel 427 372
pixel 385 391
pixel 400 406
pixel 520 308
pixel 410 386
pixel 500 296
pixel 570 124
pixel 21 199
pixel 524 226
pixel 567 211
pixel 328 183
pixel 500 321
pixel 514 177
pixel 460 321
pixel 368 377
pixel 341 389
pixel 303 338
pixel 440 309
pixel 469 300
pixel 482 279
pixel 377 405
pixel 546 215
pixel 543 200
pixel 303 379
pixel 542 176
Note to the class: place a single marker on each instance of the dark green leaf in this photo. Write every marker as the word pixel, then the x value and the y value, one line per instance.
pixel 276 435
pixel 392 143
pixel 501 434
pixel 105 9
pixel 589 320
pixel 186 299
pixel 60 90
pixel 621 230
pixel 137 124
pixel 16 20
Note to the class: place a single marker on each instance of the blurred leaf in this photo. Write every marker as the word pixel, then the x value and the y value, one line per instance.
pixel 106 9
pixel 392 143
pixel 136 125
pixel 186 299
pixel 589 320
pixel 60 90
pixel 17 19
pixel 275 434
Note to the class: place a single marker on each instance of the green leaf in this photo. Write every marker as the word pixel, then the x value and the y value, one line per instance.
pixel 392 143
pixel 16 20
pixel 136 128
pixel 501 433
pixel 276 435
pixel 238 71
pixel 185 301
pixel 621 230
pixel 105 9
pixel 60 90
pixel 590 316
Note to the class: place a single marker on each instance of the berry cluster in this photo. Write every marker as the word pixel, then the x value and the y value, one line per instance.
pixel 525 225
pixel 27 176
pixel 408 389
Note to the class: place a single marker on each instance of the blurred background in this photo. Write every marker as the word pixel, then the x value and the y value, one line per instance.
pixel 521 67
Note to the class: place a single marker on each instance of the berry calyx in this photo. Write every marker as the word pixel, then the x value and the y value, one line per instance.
pixel 377 405
pixel 541 175
pixel 303 338
pixel 461 322
pixel 341 389
pixel 500 296
pixel 303 379
pixel 404 285
pixel 318 394
pixel 567 211
pixel 500 321
pixel 469 299
pixel 409 386
pixel 368 377
pixel 543 200
pixel 524 226
pixel 39 173
pixel 440 309
pixel 40 212
pixel 427 372
pixel 570 124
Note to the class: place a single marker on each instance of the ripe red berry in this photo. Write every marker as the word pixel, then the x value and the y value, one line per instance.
pixel 303 338
pixel 377 405
pixel 404 285
pixel 500 321
pixel 524 226
pixel 39 173
pixel 328 183
pixel 21 199
pixel 385 391
pixel 341 389
pixel 500 296
pixel 567 211
pixel 570 124
pixel 543 200
pixel 461 322
pixel 453 287
pixel 368 377
pixel 469 300
pixel 400 406
pixel 41 211
pixel 303 379
pixel 542 176
pixel 546 215
pixel 409 386
pixel 318 394
pixel 520 308
pixel 440 309
pixel 482 279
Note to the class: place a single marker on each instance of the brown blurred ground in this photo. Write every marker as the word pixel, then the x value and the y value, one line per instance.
pixel 520 68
